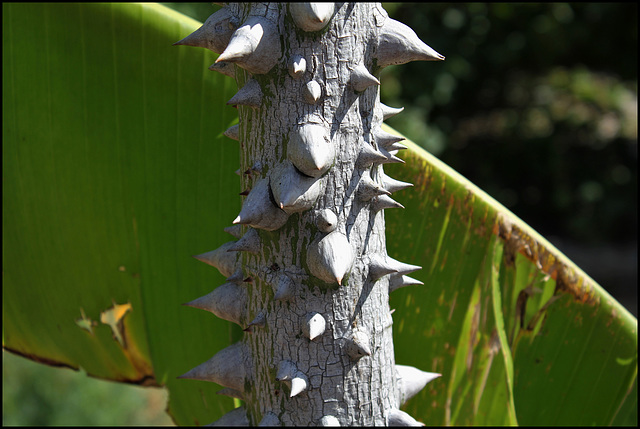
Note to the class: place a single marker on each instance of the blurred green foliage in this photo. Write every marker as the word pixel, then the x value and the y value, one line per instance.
pixel 38 395
pixel 535 103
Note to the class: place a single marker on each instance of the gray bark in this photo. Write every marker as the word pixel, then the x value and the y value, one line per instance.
pixel 309 277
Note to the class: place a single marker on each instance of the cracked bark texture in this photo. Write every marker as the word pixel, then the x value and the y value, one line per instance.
pixel 309 277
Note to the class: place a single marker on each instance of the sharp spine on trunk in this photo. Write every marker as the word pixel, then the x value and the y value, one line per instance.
pixel 311 16
pixel 225 68
pixel 399 44
pixel 326 220
pixel 397 281
pixel 384 202
pixel 226 368
pixel 393 148
pixel 235 230
pixel 389 112
pixel 390 158
pixel 225 262
pixel 392 185
pixel 397 417
pixel 297 381
pixel 292 191
pixel 228 302
pixel 411 380
pixel 331 257
pixel 401 267
pixel 357 346
pixel 250 242
pixel 259 321
pixel 237 277
pixel 310 149
pixel 259 211
pixel 369 156
pixel 329 421
pixel 232 393
pixel 249 95
pixel 314 325
pixel 385 139
pixel 270 419
pixel 368 189
pixel 233 132
pixel 235 417
pixel 311 92
pixel 378 267
pixel 215 33
pixel 254 46
pixel 361 79
pixel 297 66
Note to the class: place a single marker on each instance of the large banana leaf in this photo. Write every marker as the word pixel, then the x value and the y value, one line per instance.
pixel 116 170
pixel 520 334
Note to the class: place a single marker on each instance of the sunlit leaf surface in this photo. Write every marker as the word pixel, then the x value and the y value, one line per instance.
pixel 115 172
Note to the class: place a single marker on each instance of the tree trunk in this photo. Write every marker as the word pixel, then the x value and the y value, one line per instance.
pixel 309 277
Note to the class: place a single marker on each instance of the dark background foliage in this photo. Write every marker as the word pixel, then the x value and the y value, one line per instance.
pixel 535 103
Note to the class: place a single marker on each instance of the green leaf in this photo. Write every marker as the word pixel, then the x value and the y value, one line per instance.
pixel 116 170
pixel 518 332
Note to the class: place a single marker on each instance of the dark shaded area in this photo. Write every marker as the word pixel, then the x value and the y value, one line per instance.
pixel 537 105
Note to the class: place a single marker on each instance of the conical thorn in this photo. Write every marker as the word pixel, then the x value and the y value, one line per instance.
pixel 330 258
pixel 250 242
pixel 314 325
pixel 368 189
pixel 358 345
pixel 384 202
pixel 397 281
pixel 233 132
pixel 226 391
pixel 259 211
pixel 361 79
pixel 235 417
pixel 215 33
pixel 297 66
pixel 226 368
pixel 399 44
pixel 225 262
pixel 393 185
pixel 388 112
pixel 311 17
pixel 397 417
pixel 270 419
pixel 227 69
pixel 249 95
pixel 369 156
pixel 228 302
pixel 311 92
pixel 255 46
pixel 412 380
